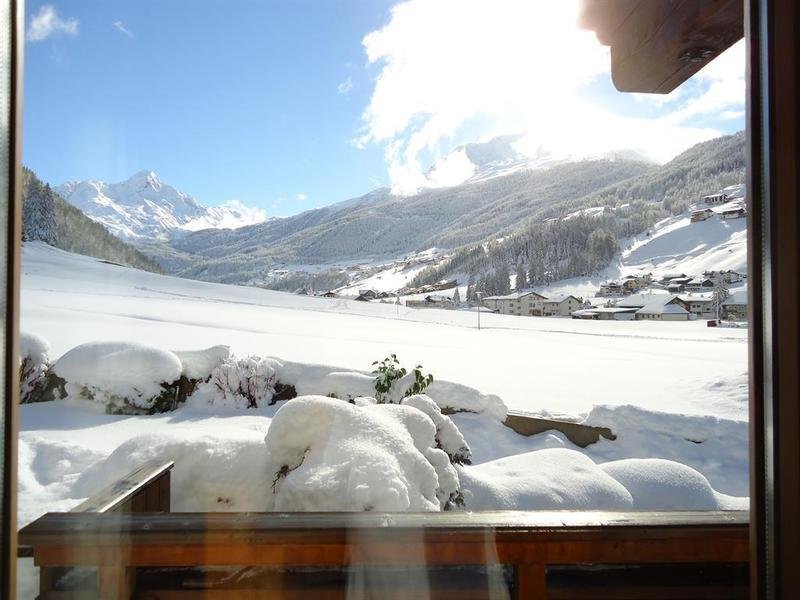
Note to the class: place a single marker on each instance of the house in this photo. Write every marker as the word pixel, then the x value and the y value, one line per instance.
pixel 605 313
pixel 329 294
pixel 671 277
pixel 700 284
pixel 368 294
pixel 675 288
pixel 671 311
pixel 641 300
pixel 718 198
pixel 561 306
pixel 701 305
pixel 611 288
pixel 701 215
pixel 734 212
pixel 432 302
pixel 735 306
pixel 527 303
pixel 727 276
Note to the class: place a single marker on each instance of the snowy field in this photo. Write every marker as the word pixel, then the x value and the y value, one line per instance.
pixel 670 391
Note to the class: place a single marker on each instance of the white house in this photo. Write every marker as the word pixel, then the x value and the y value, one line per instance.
pixel 656 311
pixel 562 306
pixel 527 303
pixel 735 306
pixel 699 304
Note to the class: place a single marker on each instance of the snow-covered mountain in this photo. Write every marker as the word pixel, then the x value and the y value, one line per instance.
pixel 145 207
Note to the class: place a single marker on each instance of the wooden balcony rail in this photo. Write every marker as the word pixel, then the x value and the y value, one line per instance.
pixel 250 555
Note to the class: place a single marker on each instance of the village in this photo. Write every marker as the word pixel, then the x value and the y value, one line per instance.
pixel 713 295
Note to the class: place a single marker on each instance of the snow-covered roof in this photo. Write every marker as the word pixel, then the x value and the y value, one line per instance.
pixel 656 308
pixel 640 300
pixel 559 298
pixel 596 310
pixel 736 297
pixel 514 295
pixel 695 297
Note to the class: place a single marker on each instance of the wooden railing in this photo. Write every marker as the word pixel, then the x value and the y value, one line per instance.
pixel 163 555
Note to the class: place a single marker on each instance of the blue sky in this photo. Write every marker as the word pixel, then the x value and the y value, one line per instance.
pixel 288 105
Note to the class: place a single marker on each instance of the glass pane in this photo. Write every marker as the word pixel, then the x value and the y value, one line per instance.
pixel 322 265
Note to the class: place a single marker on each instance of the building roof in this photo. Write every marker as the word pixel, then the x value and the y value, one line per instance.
pixel 656 308
pixel 515 295
pixel 559 298
pixel 640 300
pixel 738 297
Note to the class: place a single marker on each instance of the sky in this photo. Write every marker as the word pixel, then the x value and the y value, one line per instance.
pixel 295 104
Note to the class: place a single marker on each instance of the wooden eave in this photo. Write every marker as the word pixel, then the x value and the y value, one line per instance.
pixel 656 45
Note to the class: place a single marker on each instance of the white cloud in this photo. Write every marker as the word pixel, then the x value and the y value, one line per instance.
pixel 452 71
pixel 120 26
pixel 47 23
pixel 301 197
pixel 345 86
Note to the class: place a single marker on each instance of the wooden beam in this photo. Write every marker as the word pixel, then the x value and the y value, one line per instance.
pixel 656 45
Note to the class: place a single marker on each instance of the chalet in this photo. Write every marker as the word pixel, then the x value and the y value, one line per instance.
pixel 432 302
pixel 701 215
pixel 656 311
pixel 735 306
pixel 734 212
pixel 368 294
pixel 611 288
pixel 329 294
pixel 675 288
pixel 527 303
pixel 700 305
pixel 670 277
pixel 561 306
pixel 699 284
pixel 718 198
pixel 727 276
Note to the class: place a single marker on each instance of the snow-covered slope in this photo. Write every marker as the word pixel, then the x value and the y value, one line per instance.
pixel 145 207
pixel 675 245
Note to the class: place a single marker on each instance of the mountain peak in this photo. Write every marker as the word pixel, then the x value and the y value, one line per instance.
pixel 143 206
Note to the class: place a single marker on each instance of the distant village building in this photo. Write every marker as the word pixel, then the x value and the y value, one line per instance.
pixel 727 276
pixel 700 284
pixel 735 306
pixel 734 212
pixel 671 277
pixel 527 303
pixel 701 215
pixel 611 289
pixel 562 306
pixel 656 307
pixel 700 305
pixel 432 302
pixel 718 198
pixel 606 313
pixel 367 294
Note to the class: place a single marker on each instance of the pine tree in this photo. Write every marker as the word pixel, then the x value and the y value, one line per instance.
pixel 503 280
pixel 522 278
pixel 457 297
pixel 39 216
pixel 470 289
pixel 720 294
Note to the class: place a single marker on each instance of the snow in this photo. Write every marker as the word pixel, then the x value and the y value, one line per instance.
pixel 115 371
pixel 347 457
pixel 143 206
pixel 555 478
pixel 657 484
pixel 199 364
pixel 527 362
pixel 670 391
pixel 34 347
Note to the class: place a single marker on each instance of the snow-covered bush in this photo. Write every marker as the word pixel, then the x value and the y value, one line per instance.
pixel 200 364
pixel 34 365
pixel 125 376
pixel 448 437
pixel 329 455
pixel 247 382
